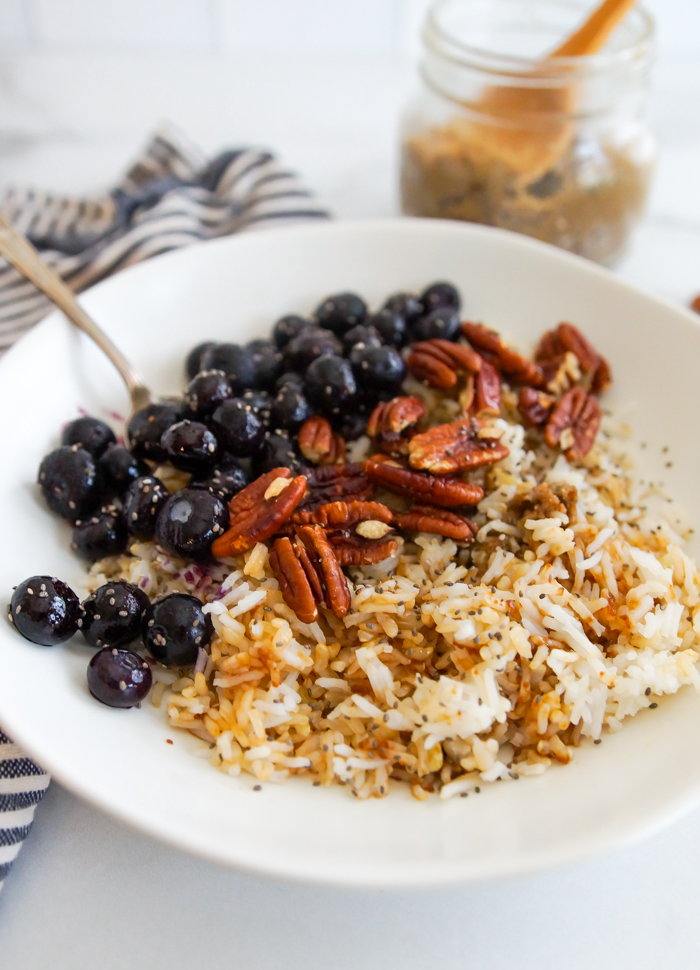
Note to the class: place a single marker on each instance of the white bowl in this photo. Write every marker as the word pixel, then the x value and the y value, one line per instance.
pixel 234 289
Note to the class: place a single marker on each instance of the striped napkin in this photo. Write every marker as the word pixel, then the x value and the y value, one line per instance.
pixel 171 197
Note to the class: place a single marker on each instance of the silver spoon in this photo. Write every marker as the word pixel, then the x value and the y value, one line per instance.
pixel 20 252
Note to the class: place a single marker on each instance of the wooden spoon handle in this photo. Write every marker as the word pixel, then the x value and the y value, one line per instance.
pixel 591 35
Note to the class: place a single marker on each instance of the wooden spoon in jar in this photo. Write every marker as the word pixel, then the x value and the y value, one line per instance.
pixel 533 131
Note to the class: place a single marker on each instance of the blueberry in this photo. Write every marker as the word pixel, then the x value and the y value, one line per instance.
pixel 268 362
pixel 113 614
pixel 118 678
pixel 341 312
pixel 405 305
pixel 361 334
pixel 330 384
pixel 191 446
pixel 174 629
pixel 206 391
pixel 90 433
pixel 443 323
pixel 146 428
pixel 70 481
pixel 287 328
pixel 236 362
pixel 193 361
pixel 352 426
pixel 379 368
pixel 45 610
pixel 120 468
pixel 278 450
pixel 190 521
pixel 309 345
pixel 142 504
pixel 438 296
pixel 238 426
pixel 289 377
pixel 226 481
pixel 390 325
pixel 261 403
pixel 104 533
pixel 290 409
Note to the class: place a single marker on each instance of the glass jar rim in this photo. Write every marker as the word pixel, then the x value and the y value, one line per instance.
pixel 440 41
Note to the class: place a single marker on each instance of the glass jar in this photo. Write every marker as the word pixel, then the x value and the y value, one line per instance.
pixel 557 148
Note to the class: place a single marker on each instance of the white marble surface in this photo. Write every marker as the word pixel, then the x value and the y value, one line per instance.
pixel 87 892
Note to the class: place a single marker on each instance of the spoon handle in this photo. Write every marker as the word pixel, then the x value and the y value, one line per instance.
pixel 19 251
pixel 592 34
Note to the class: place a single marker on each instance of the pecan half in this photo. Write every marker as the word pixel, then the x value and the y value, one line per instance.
pixel 487 390
pixel 503 357
pixel 426 518
pixel 535 406
pixel 352 550
pixel 333 483
pixel 454 447
pixel 325 562
pixel 340 515
pixel 398 478
pixel 311 574
pixel 292 578
pixel 392 423
pixel 255 517
pixel 319 444
pixel 438 362
pixel 566 338
pixel 574 423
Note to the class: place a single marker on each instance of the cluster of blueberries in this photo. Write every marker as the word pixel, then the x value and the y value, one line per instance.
pixel 46 611
pixel 239 418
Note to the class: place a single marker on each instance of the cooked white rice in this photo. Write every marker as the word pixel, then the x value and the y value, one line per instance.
pixel 454 667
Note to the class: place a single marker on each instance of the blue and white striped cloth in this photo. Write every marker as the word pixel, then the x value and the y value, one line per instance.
pixel 22 786
pixel 171 197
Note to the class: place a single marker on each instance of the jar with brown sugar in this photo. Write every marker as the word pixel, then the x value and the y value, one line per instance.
pixel 558 148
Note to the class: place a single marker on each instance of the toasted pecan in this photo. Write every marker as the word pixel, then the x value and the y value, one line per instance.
pixel 252 494
pixel 293 580
pixel 454 447
pixel 333 483
pixel 574 423
pixel 325 562
pixel 319 444
pixel 353 550
pixel 426 368
pixel 255 518
pixel 398 478
pixel 438 362
pixel 311 574
pixel 503 357
pixel 392 423
pixel 535 406
pixel 487 390
pixel 566 338
pixel 341 515
pixel 427 518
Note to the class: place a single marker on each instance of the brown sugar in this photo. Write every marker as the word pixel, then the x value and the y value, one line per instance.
pixel 586 199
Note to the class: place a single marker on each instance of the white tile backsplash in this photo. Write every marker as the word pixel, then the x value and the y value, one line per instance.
pixel 230 27
pixel 14 25
pixel 307 26
pixel 122 25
